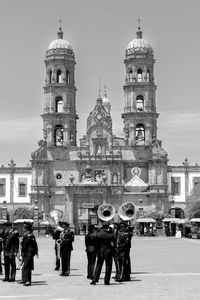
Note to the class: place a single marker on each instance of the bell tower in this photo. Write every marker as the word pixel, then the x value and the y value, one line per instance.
pixel 59 113
pixel 140 116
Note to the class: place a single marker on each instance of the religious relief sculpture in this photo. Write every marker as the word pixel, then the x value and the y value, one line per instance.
pixel 41 152
pixel 157 151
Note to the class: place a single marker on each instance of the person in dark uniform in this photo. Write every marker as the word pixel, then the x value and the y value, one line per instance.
pixel 67 238
pixel 56 237
pixel 29 249
pixel 1 248
pixel 122 251
pixel 11 247
pixel 105 240
pixel 91 250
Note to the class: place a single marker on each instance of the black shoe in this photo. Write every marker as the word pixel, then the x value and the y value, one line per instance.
pixel 11 280
pixel 106 283
pixel 5 279
pixel 62 274
pixel 56 269
pixel 27 283
pixel 93 282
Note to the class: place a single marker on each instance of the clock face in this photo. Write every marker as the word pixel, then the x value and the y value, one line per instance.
pixel 99 116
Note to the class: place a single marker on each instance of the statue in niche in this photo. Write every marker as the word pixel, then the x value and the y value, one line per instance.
pixel 59 136
pixel 99 149
pixel 140 135
pixel 115 178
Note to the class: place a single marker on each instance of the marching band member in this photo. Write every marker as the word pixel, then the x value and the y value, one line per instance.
pixel 29 249
pixel 105 239
pixel 67 238
pixel 11 247
pixel 56 237
pixel 91 250
pixel 123 245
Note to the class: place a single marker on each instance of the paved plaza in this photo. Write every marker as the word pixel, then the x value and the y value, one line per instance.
pixel 162 268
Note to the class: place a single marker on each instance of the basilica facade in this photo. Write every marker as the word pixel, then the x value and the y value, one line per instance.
pixel 76 178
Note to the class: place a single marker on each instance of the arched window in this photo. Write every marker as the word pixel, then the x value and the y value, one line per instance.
pixel 58 76
pixel 140 103
pixel 139 75
pixel 148 76
pixel 58 135
pixel 59 105
pixel 50 76
pixel 140 134
pixel 130 75
pixel 67 77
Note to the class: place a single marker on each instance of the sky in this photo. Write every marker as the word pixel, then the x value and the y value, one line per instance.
pixel 99 32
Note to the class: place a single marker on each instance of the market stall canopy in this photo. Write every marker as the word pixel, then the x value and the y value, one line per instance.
pixel 24 221
pixel 172 220
pixel 145 220
pixel 195 220
pixel 182 221
pixel 3 221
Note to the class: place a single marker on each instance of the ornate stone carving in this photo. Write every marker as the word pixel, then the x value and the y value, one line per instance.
pixel 41 152
pixel 157 151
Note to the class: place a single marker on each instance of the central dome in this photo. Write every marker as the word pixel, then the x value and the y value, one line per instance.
pixel 60 43
pixel 139 44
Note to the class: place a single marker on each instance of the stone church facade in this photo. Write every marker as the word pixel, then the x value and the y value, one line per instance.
pixel 77 179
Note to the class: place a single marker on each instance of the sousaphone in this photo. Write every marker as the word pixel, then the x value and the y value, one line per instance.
pixel 106 212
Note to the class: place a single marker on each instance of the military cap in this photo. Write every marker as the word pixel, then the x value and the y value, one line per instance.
pixel 105 224
pixel 65 224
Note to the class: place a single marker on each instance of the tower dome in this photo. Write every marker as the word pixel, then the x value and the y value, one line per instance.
pixel 139 45
pixel 60 43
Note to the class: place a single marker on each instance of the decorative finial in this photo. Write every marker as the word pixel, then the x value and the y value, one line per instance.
pixel 100 87
pixel 139 20
pixel 60 32
pixel 105 91
pixel 60 22
pixel 139 32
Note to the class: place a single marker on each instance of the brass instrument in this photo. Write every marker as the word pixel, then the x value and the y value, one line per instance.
pixel 106 212
pixel 126 211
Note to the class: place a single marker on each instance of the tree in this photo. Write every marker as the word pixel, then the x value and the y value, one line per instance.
pixel 193 203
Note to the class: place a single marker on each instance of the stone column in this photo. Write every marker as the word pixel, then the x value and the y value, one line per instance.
pixel 36 218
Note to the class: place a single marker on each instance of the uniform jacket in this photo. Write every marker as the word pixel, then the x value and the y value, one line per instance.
pixel 67 238
pixel 91 242
pixel 11 242
pixel 29 245
pixel 106 241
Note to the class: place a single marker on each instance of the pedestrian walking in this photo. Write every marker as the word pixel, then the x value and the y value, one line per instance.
pixel 67 238
pixel 29 249
pixel 11 247
pixel 105 240
pixel 91 250
pixel 1 249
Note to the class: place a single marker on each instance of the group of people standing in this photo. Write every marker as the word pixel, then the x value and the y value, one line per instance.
pixel 105 244
pixel 23 249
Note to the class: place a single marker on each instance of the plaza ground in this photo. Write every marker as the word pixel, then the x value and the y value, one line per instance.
pixel 162 268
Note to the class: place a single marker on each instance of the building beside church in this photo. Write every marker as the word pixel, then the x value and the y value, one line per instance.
pixel 77 179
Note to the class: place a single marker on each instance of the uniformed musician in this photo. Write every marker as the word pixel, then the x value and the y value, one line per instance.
pixel 105 240
pixel 11 247
pixel 67 238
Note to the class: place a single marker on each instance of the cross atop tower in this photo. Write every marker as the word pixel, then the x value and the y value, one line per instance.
pixel 139 23
pixel 60 23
